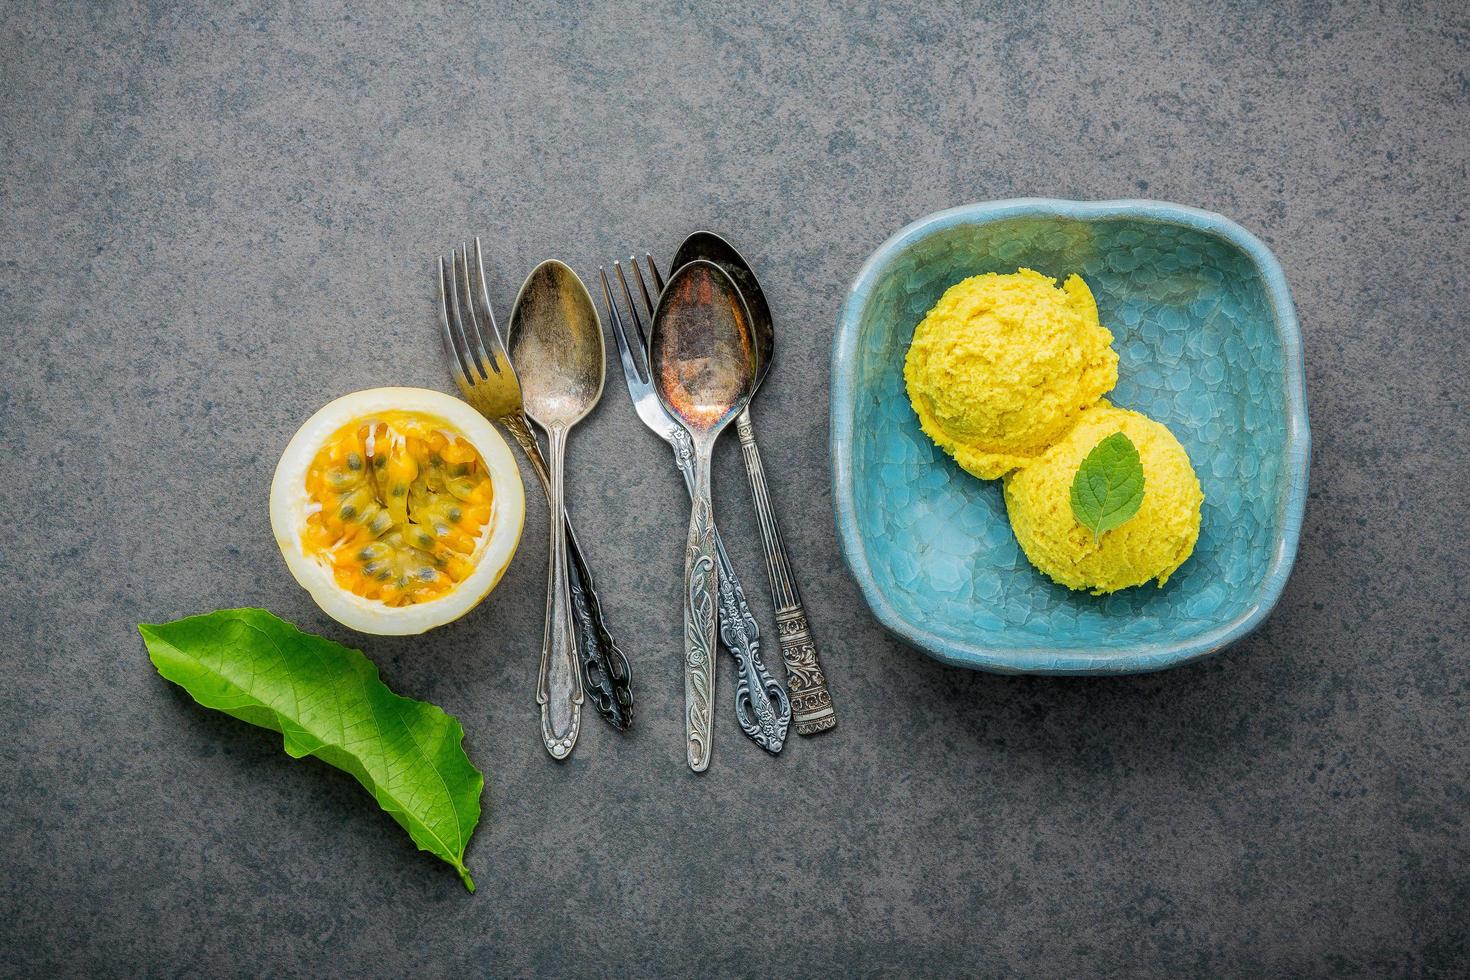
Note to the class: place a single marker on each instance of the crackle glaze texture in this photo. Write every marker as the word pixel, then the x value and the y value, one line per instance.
pixel 216 217
pixel 1201 348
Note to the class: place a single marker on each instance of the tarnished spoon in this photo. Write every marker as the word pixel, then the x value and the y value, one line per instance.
pixel 702 356
pixel 556 346
pixel 811 702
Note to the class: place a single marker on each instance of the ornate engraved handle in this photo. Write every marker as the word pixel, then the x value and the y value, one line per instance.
pixel 761 704
pixel 608 677
pixel 810 701
pixel 701 580
pixel 559 683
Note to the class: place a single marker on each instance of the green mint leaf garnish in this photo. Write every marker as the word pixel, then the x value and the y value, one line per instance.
pixel 1108 486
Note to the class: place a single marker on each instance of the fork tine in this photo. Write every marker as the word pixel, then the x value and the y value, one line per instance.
pixel 631 365
pixel 642 287
pixel 484 313
pixel 474 341
pixel 449 322
pixel 457 320
pixel 658 280
pixel 632 307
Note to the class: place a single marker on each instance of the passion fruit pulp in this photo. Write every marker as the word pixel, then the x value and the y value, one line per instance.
pixel 398 509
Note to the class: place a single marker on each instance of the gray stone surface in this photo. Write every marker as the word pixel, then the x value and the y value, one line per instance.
pixel 213 219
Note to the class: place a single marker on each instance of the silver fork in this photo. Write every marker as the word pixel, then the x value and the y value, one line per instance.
pixel 487 379
pixel 761 703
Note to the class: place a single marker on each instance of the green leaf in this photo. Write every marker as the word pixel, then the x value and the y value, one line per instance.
pixel 326 700
pixel 1108 486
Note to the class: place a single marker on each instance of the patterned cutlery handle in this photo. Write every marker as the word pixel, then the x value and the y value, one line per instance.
pixel 701 583
pixel 810 700
pixel 608 676
pixel 559 688
pixel 761 704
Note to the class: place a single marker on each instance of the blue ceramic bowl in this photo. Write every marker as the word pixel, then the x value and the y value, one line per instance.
pixel 1207 338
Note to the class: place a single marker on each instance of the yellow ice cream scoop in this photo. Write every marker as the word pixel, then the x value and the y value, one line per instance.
pixel 1003 365
pixel 1150 545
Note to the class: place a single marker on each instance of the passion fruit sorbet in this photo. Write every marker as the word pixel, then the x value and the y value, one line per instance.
pixel 1003 366
pixel 1150 545
pixel 397 506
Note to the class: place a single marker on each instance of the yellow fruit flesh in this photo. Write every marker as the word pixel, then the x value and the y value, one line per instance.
pixel 397 506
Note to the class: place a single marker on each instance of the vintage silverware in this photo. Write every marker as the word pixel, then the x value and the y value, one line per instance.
pixel 761 704
pixel 486 378
pixel 811 702
pixel 702 356
pixel 556 345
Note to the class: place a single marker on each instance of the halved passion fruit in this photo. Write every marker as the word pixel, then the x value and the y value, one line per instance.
pixel 398 509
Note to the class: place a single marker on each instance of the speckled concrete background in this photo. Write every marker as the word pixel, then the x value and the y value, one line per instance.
pixel 213 220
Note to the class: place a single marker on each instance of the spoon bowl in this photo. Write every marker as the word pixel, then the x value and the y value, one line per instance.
pixel 702 349
pixel 710 247
pixel 556 345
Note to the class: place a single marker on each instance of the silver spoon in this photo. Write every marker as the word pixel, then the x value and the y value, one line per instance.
pixel 811 702
pixel 702 356
pixel 556 346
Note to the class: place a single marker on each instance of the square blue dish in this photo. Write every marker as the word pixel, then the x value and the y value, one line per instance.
pixel 1208 343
